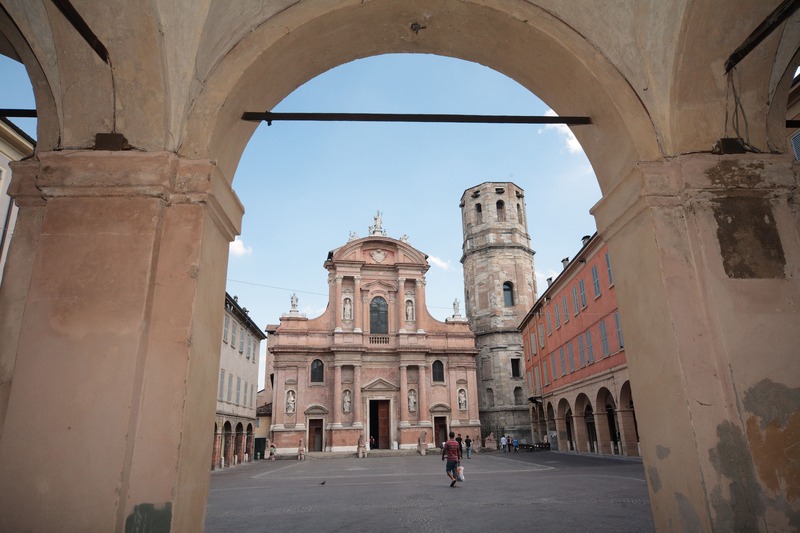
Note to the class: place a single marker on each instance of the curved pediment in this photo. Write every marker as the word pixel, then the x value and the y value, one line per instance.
pixel 440 408
pixel 380 384
pixel 316 409
pixel 379 250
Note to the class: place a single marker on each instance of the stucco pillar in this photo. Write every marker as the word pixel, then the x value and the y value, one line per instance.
pixel 424 412
pixel 627 432
pixel 707 268
pixel 472 396
pixel 217 453
pixel 580 434
pixel 337 306
pixel 120 319
pixel 358 318
pixel 562 443
pixel 403 395
pixel 400 306
pixel 357 421
pixel 420 300
pixel 337 395
pixel 604 436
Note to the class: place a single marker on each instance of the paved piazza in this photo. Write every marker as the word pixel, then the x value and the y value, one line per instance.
pixel 512 493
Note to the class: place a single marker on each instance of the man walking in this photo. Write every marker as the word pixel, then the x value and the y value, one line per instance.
pixel 503 443
pixel 452 452
pixel 468 443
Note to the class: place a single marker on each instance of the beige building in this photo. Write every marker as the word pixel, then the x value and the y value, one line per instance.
pixel 112 294
pixel 375 367
pixel 14 145
pixel 235 421
pixel 499 288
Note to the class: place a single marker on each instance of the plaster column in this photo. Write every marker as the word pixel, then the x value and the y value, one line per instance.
pixel 604 436
pixel 420 300
pixel 424 413
pixel 337 395
pixel 707 271
pixel 472 395
pixel 627 431
pixel 357 421
pixel 216 455
pixel 358 318
pixel 562 443
pixel 400 305
pixel 249 448
pixel 122 301
pixel 404 395
pixel 452 388
pixel 337 308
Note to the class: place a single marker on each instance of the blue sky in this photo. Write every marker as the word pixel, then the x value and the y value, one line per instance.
pixel 306 185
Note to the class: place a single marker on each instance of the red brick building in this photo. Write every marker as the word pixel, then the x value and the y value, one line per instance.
pixel 576 370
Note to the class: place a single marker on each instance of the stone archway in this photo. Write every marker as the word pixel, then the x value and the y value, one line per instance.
pixel 681 221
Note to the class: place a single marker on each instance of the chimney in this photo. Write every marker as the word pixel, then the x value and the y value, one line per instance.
pixel 585 239
pixel 565 262
pixel 549 281
pixel 236 299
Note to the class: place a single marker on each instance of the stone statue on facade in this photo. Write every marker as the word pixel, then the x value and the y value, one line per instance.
pixel 290 401
pixel 462 400
pixel 412 401
pixel 377 228
pixel 409 310
pixel 455 307
pixel 347 313
pixel 346 402
pixel 293 299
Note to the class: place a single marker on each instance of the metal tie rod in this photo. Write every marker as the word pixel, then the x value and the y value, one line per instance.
pixel 270 117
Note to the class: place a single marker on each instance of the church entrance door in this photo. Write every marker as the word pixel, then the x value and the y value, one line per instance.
pixel 379 421
pixel 315 435
pixel 440 429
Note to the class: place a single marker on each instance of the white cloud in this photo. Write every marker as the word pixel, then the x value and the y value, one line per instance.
pixel 441 263
pixel 571 143
pixel 238 249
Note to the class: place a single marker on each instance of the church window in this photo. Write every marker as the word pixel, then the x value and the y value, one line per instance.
pixel 478 214
pixel 501 211
pixel 515 368
pixel 317 371
pixel 508 294
pixel 378 316
pixel 438 371
pixel 519 214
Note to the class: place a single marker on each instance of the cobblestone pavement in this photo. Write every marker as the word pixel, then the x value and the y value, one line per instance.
pixel 508 492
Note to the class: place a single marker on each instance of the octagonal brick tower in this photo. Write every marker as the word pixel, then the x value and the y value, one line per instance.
pixel 499 289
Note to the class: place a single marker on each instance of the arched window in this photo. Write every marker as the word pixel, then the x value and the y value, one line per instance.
pixel 519 214
pixel 501 211
pixel 508 294
pixel 378 316
pixel 478 214
pixel 438 371
pixel 518 396
pixel 317 371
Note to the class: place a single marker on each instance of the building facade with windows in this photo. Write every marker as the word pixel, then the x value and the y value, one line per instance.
pixel 499 288
pixel 575 365
pixel 375 365
pixel 235 421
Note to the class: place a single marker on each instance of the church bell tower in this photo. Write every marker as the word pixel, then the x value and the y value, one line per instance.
pixel 499 289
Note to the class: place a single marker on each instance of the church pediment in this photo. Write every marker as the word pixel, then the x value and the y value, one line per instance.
pixel 378 285
pixel 380 384
pixel 316 409
pixel 440 408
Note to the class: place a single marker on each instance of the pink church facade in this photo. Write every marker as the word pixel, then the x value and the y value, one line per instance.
pixel 375 366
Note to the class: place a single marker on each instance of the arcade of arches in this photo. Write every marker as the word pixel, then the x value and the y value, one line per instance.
pixel 114 286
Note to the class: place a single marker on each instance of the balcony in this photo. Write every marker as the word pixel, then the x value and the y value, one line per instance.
pixel 375 340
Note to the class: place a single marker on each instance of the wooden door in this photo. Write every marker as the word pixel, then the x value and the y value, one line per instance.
pixel 383 425
pixel 315 435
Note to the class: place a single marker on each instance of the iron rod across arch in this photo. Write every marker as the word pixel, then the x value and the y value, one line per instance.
pixel 270 117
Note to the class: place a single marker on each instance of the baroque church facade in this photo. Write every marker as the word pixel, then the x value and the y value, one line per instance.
pixel 375 367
